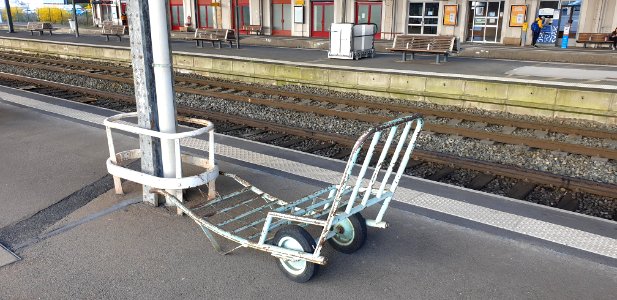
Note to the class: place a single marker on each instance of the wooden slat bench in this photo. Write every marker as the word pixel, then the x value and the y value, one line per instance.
pixel 593 38
pixel 110 29
pixel 257 29
pixel 214 36
pixel 438 45
pixel 40 27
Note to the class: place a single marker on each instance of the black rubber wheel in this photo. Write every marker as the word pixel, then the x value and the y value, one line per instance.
pixel 350 234
pixel 296 238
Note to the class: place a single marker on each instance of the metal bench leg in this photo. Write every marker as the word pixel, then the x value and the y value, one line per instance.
pixel 437 59
pixel 445 58
pixel 413 56
pixel 213 46
pixel 120 38
pixel 404 56
pixel 107 37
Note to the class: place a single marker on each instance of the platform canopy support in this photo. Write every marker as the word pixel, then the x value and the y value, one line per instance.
pixel 163 76
pixel 153 78
pixel 75 17
pixel 145 91
pixel 9 16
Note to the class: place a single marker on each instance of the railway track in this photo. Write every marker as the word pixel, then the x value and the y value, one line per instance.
pixel 522 182
pixel 552 137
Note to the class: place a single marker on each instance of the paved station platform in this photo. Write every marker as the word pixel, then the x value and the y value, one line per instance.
pixel 79 240
pixel 552 90
pixel 593 75
pixel 601 55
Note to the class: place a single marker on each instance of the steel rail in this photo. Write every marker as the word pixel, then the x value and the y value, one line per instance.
pixel 562 128
pixel 374 119
pixel 540 177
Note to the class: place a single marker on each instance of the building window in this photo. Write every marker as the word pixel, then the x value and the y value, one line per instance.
pixel 423 18
pixel 206 13
pixel 281 17
pixel 244 13
pixel 369 12
pixel 323 16
pixel 177 14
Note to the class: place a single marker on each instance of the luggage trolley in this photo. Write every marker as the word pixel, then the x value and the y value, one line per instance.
pixel 255 219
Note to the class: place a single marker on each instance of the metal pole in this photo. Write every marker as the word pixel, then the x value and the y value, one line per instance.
pixel 166 103
pixel 237 25
pixel 145 96
pixel 75 17
pixel 9 16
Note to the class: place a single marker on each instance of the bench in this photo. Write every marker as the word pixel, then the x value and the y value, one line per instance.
pixel 40 27
pixel 110 29
pixel 214 36
pixel 257 29
pixel 438 45
pixel 593 38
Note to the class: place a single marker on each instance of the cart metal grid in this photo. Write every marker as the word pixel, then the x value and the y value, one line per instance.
pixel 258 220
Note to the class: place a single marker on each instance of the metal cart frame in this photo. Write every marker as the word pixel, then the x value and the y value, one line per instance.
pixel 336 209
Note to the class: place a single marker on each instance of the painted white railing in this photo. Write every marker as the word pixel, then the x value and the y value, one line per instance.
pixel 116 161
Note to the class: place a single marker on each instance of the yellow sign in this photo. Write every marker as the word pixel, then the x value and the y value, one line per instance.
pixel 299 2
pixel 215 4
pixel 518 15
pixel 450 15
pixel 525 26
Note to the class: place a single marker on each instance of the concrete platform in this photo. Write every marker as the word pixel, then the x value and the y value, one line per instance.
pixel 552 90
pixel 444 242
pixel 546 53
pixel 469 66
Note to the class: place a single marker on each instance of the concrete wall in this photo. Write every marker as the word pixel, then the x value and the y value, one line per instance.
pixel 518 98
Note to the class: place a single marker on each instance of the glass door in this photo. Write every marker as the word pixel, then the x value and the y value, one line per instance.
pixel 206 14
pixel 569 15
pixel 322 18
pixel 244 13
pixel 369 12
pixel 485 21
pixel 177 14
pixel 423 18
pixel 281 17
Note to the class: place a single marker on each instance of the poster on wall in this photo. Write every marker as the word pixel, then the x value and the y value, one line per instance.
pixel 450 15
pixel 518 15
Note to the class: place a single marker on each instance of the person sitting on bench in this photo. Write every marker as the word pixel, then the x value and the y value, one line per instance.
pixel 613 37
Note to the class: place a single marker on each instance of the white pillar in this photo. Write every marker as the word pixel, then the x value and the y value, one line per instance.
pixel 164 85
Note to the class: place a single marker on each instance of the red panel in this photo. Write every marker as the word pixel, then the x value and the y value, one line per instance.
pixel 322 33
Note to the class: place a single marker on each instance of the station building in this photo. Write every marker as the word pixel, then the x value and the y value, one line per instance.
pixel 490 21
